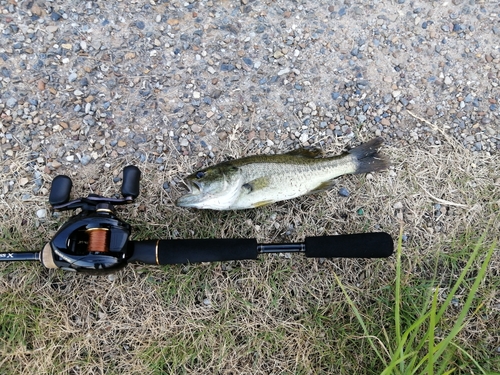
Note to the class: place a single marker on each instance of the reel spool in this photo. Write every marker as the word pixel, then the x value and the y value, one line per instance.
pixel 98 240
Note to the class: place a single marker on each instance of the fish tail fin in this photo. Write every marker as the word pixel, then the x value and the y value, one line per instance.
pixel 368 157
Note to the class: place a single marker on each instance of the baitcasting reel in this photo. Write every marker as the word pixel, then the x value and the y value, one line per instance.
pixel 95 239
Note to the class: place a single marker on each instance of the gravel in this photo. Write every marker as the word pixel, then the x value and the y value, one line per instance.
pixel 86 83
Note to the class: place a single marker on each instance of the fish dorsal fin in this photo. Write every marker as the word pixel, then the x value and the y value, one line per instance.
pixel 255 185
pixel 310 152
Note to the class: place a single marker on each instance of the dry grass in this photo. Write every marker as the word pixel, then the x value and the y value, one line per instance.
pixel 280 314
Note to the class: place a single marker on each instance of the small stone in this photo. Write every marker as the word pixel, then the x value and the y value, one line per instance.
pixel 222 135
pixel 122 143
pixel 184 142
pixel 54 16
pixel 72 77
pixel 385 121
pixel 52 29
pixel 387 98
pixel 130 55
pixel 85 159
pixel 173 21
pixel 227 67
pixel 140 25
pixel 41 213
pixel 196 95
pixel 84 82
pixel 78 93
pixel 248 61
pixel 278 54
pixel 195 128
pixel 398 205
pixel 11 102
pixel 343 192
pixel 304 137
pixel 284 71
pixel 89 120
pixel 23 181
pixel 210 114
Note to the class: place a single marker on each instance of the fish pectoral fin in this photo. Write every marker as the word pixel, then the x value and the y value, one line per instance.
pixel 261 204
pixel 255 185
pixel 325 185
pixel 310 152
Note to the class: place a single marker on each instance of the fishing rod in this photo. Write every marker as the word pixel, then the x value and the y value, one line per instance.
pixel 96 241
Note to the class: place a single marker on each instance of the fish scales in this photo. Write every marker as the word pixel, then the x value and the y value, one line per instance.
pixel 287 180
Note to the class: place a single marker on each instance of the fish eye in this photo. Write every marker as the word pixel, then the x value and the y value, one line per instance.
pixel 200 174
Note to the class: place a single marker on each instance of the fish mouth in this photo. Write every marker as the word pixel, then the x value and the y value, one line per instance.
pixel 194 187
pixel 192 197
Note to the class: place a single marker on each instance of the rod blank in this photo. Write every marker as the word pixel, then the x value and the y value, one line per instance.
pixel 19 257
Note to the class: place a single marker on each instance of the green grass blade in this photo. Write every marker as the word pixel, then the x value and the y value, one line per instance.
pixel 464 352
pixel 389 369
pixel 457 327
pixel 432 325
pixel 461 278
pixel 397 307
pixel 360 320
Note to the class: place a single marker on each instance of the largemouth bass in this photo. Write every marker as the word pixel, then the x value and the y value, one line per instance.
pixel 259 180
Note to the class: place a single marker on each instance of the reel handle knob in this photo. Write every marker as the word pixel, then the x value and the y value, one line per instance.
pixel 131 180
pixel 60 190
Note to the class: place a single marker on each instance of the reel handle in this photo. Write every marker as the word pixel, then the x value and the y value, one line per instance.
pixel 60 190
pixel 131 181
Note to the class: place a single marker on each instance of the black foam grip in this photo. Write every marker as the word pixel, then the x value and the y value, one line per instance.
pixel 193 251
pixel 60 190
pixel 131 181
pixel 360 245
